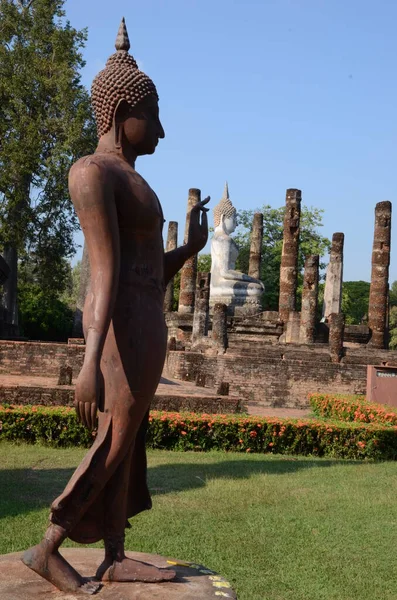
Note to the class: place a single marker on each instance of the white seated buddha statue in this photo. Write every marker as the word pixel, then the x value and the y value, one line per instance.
pixel 231 287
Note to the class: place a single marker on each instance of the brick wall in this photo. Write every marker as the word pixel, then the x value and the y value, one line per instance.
pixel 266 374
pixel 39 359
pixel 280 376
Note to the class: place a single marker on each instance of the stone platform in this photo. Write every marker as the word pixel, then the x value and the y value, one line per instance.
pixel 193 582
pixel 171 395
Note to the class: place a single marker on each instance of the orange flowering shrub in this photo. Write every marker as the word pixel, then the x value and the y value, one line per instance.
pixel 352 408
pixel 189 431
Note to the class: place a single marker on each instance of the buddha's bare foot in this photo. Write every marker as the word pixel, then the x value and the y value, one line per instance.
pixel 132 570
pixel 53 567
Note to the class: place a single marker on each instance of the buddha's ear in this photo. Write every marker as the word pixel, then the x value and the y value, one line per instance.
pixel 119 116
pixel 121 111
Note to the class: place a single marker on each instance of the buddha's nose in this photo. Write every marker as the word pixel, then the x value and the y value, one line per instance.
pixel 161 132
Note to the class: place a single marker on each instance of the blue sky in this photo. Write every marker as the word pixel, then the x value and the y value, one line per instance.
pixel 268 94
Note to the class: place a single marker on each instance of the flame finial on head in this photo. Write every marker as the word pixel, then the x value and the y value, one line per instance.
pixel 122 39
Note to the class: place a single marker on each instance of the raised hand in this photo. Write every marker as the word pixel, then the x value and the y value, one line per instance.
pixel 198 227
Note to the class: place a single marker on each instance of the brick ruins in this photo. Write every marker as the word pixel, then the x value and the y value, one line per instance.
pixel 278 358
pixel 240 361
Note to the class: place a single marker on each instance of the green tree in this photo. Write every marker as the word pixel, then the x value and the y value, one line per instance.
pixel 71 291
pixel 311 242
pixel 45 314
pixel 46 123
pixel 355 298
pixel 393 327
pixel 393 294
pixel 204 263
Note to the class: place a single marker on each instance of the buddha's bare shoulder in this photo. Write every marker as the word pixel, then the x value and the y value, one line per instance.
pixel 95 165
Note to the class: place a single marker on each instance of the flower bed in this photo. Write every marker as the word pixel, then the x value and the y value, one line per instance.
pixel 174 431
pixel 352 409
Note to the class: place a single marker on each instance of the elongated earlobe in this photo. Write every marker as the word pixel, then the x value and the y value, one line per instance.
pixel 118 134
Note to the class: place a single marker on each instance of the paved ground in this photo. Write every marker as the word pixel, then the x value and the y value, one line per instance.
pixel 17 582
pixel 166 386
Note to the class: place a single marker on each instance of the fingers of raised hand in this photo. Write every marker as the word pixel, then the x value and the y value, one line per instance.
pixel 200 206
pixel 204 221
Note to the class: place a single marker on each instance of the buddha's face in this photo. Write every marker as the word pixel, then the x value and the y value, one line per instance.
pixel 142 125
pixel 230 223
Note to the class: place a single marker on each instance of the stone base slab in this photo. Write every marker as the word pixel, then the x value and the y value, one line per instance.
pixel 193 582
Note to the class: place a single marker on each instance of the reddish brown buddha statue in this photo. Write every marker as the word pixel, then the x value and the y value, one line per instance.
pixel 124 328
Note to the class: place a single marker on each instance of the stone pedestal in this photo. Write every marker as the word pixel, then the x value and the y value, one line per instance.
pixel 172 244
pixel 194 582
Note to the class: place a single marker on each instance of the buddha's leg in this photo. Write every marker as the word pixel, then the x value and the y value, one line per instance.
pixel 116 566
pixel 46 561
pixel 98 466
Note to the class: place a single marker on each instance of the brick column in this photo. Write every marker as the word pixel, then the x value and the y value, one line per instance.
pixel 336 333
pixel 189 269
pixel 219 326
pixel 292 328
pixel 10 295
pixel 334 278
pixel 289 256
pixel 254 269
pixel 379 290
pixel 172 244
pixel 201 307
pixel 84 284
pixel 307 331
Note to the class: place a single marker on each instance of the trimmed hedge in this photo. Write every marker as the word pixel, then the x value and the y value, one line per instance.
pixel 174 431
pixel 352 409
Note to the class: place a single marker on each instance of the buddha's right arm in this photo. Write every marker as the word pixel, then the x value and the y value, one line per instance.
pixel 94 202
pixel 237 276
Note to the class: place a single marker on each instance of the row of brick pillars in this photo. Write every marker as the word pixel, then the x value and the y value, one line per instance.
pixel 378 303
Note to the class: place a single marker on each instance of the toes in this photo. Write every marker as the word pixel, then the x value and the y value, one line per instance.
pixel 90 587
pixel 168 574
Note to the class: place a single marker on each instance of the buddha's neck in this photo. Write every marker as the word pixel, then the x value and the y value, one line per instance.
pixel 220 231
pixel 107 145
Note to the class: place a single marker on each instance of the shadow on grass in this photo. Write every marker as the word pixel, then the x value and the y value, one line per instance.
pixel 25 490
pixel 164 479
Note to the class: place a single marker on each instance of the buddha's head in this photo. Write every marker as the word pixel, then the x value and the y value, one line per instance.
pixel 225 215
pixel 125 100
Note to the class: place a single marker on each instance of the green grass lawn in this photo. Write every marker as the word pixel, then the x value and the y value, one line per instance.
pixel 277 527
